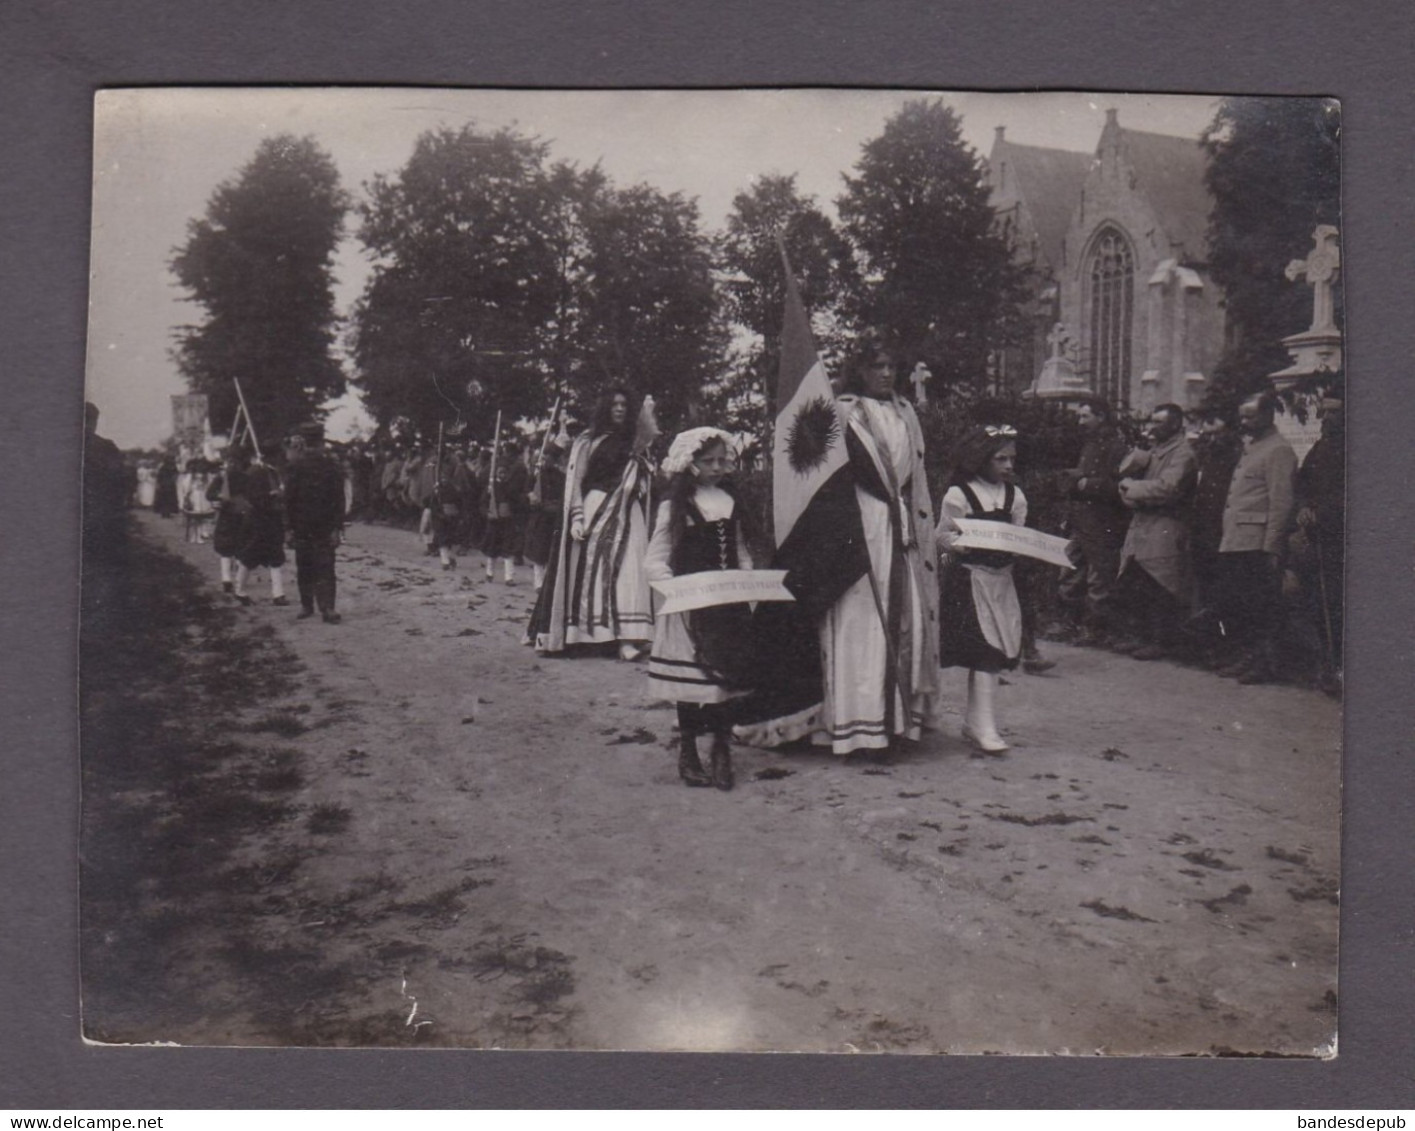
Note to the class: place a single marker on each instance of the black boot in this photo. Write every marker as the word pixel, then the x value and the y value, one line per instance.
pixel 722 760
pixel 690 767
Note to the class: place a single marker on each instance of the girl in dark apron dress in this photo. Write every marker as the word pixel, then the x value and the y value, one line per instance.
pixel 701 659
pixel 979 615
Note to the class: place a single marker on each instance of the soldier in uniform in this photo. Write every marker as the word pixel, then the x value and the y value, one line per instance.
pixel 1256 517
pixel 1097 522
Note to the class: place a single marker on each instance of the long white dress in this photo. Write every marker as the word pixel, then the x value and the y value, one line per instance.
pixel 147 486
pixel 855 649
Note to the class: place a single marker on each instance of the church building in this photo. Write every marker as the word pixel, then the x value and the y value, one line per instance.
pixel 1123 306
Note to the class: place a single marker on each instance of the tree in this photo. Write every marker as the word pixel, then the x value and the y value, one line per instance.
pixel 938 281
pixel 1275 173
pixel 648 315
pixel 464 281
pixel 749 257
pixel 260 263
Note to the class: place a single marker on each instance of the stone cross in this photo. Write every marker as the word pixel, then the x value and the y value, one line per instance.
pixel 1321 268
pixel 1057 339
pixel 918 379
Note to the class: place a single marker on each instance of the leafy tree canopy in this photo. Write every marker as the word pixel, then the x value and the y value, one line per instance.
pixel 260 264
pixel 501 282
pixel 1274 172
pixel 939 283
pixel 464 273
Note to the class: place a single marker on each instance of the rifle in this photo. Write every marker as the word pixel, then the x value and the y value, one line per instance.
pixel 491 506
pixel 545 443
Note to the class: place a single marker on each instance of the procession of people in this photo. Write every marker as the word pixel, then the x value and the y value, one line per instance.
pixel 1194 544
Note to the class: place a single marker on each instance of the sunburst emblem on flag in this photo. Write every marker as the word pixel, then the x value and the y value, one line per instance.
pixel 813 431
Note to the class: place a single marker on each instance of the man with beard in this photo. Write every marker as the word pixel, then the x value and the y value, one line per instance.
pixel 1255 528
pixel 1156 486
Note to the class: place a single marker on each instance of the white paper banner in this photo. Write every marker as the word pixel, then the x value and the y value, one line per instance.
pixel 981 534
pixel 721 587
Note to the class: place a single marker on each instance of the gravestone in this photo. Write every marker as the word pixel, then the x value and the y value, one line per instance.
pixel 1317 350
pixel 1058 379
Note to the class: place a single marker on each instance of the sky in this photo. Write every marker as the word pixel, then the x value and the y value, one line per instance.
pixel 159 153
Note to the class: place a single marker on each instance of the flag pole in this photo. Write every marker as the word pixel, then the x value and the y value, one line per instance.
pixel 491 510
pixel 250 425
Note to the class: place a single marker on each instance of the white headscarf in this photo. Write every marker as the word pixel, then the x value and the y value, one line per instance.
pixel 688 444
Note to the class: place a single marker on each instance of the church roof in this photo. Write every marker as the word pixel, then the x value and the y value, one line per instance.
pixel 1170 173
pixel 1048 181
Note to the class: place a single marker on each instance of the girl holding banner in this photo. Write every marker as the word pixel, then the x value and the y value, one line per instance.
pixel 980 617
pixel 700 657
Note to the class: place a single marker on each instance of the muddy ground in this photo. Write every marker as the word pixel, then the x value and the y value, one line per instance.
pixel 408 829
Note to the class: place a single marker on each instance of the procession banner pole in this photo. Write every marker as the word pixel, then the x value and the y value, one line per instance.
pixel 236 423
pixel 437 465
pixel 491 473
pixel 544 444
pixel 250 424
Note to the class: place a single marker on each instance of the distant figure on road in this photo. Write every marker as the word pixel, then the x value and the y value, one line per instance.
pixel 261 544
pixel 195 505
pixel 314 506
pixel 227 494
pixel 544 502
pixel 504 503
pixel 164 496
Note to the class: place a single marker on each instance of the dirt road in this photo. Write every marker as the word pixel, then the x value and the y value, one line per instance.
pixel 478 847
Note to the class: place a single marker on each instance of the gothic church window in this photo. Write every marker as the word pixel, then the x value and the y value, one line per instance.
pixel 1110 279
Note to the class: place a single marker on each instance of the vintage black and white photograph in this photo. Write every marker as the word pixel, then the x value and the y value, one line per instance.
pixel 813 570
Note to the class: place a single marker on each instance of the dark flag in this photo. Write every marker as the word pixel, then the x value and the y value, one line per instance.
pixel 820 541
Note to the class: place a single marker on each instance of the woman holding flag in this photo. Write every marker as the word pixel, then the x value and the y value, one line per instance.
pixel 855 658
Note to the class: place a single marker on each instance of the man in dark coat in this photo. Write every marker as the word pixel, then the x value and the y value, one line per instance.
pixel 1157 484
pixel 1321 522
pixel 105 493
pixel 1097 522
pixel 1216 452
pixel 314 511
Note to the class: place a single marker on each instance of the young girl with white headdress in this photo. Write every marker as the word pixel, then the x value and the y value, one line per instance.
pixel 701 658
pixel 980 617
